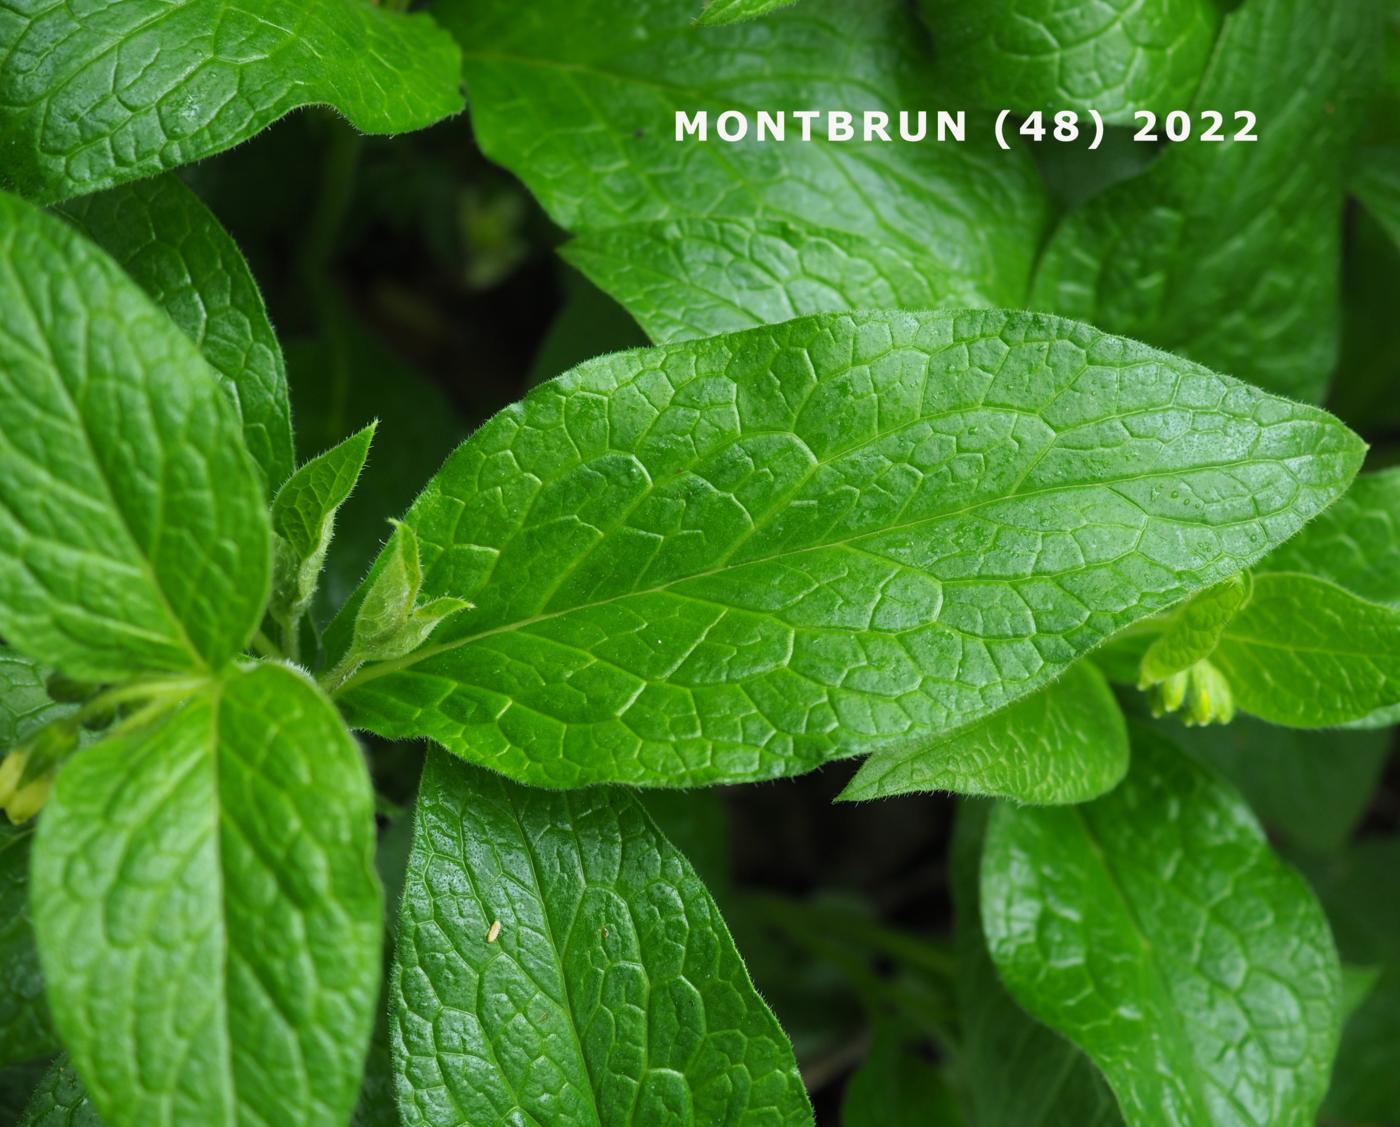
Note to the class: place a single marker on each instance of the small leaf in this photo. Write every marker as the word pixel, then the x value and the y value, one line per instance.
pixel 303 519
pixel 1194 630
pixel 120 90
pixel 338 383
pixel 1355 543
pixel 125 543
pixel 208 916
pixel 160 233
pixel 1229 252
pixel 742 557
pixel 1156 930
pixel 25 703
pixel 609 992
pixel 1304 653
pixel 1041 55
pixel 390 623
pixel 1066 743
pixel 733 11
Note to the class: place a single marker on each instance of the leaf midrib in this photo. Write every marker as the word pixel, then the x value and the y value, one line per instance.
pixel 384 669
pixel 47 358
pixel 1158 972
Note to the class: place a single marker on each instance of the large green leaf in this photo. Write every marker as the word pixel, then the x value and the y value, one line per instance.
pixel 1229 252
pixel 1012 1071
pixel 1116 57
pixel 1305 653
pixel 560 962
pixel 133 531
pixel 208 916
pixel 160 234
pixel 740 557
pixel 580 101
pixel 114 90
pixel 688 278
pixel 1066 743
pixel 1355 543
pixel 1156 929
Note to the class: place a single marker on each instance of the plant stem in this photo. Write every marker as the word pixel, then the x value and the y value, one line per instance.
pixel 332 682
pixel 264 647
pixel 151 691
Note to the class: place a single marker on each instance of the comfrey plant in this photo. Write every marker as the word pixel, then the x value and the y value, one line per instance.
pixel 995 464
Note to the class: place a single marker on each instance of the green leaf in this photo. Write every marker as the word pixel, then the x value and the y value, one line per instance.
pixel 741 557
pixel 1066 743
pixel 734 11
pixel 60 1100
pixel 581 103
pixel 123 89
pixel 1156 929
pixel 610 991
pixel 303 519
pixel 25 1030
pixel 1309 788
pixel 1355 543
pixel 1195 629
pixel 208 915
pixel 1012 1071
pixel 690 278
pixel 25 704
pixel 390 623
pixel 1041 55
pixel 124 544
pixel 172 246
pixel 1304 653
pixel 1229 252
pixel 897 1085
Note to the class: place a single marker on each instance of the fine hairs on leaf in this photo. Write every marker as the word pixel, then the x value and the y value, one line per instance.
pixel 1009 483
